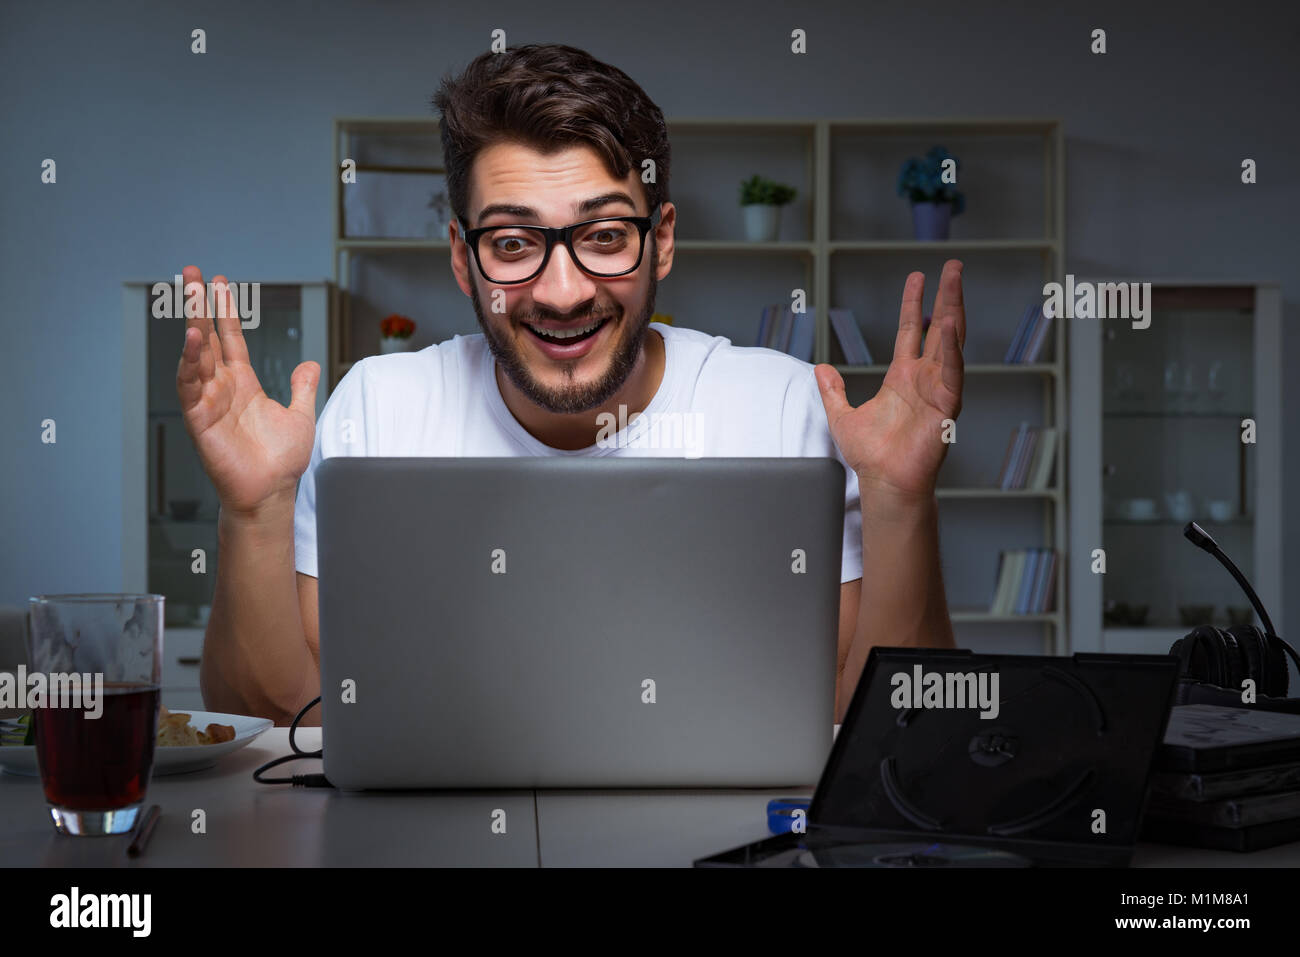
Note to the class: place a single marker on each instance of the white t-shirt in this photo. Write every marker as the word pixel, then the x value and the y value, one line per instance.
pixel 715 400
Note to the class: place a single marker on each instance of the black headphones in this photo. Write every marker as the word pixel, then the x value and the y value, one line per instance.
pixel 1226 657
pixel 1213 662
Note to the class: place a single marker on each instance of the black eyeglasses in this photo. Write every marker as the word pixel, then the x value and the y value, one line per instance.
pixel 602 247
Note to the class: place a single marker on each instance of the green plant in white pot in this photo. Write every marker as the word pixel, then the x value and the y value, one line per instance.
pixel 762 199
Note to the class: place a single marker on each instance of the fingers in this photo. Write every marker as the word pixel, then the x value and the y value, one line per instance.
pixel 908 342
pixel 303 384
pixel 952 364
pixel 189 378
pixel 191 277
pixel 831 385
pixel 953 299
pixel 937 315
pixel 233 346
pixel 195 306
pixel 946 300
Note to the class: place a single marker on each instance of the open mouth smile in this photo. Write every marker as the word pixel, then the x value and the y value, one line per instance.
pixel 569 341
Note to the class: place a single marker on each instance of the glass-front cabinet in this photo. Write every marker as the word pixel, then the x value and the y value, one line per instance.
pixel 1187 427
pixel 169 533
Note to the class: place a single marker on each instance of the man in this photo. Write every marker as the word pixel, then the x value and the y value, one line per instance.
pixel 546 136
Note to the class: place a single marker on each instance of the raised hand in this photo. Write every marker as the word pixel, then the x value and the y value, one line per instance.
pixel 895 441
pixel 253 448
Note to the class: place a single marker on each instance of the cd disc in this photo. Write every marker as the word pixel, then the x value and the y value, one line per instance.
pixel 909 855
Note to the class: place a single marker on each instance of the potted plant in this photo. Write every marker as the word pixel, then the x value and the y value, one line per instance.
pixel 441 206
pixel 395 333
pixel 934 202
pixel 762 200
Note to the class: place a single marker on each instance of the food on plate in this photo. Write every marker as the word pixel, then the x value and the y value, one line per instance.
pixel 175 730
pixel 22 732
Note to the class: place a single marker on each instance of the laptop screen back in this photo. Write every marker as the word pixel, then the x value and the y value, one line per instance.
pixel 559 622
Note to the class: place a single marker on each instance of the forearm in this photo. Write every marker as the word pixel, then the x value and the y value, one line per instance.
pixel 255 656
pixel 902 597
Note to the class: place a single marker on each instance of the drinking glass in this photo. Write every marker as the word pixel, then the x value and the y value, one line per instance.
pixel 95 732
pixel 1214 380
pixel 1191 392
pixel 1173 385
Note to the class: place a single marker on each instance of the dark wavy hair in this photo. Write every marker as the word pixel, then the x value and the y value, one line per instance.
pixel 548 96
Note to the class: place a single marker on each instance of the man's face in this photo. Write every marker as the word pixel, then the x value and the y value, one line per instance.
pixel 579 373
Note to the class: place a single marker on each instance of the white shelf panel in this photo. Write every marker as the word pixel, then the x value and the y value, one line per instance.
pixel 997 493
pixel 1049 618
pixel 938 246
pixel 743 246
pixel 973 368
pixel 389 245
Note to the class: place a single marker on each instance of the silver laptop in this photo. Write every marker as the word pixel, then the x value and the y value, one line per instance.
pixel 580 623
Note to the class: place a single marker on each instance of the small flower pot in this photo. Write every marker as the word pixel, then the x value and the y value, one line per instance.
pixel 930 221
pixel 762 222
pixel 389 344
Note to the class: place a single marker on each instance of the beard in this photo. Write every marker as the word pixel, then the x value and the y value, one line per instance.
pixel 574 397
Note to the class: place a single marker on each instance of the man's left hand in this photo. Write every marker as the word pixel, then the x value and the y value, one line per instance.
pixel 896 442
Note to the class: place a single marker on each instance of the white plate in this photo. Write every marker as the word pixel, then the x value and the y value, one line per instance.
pixel 21 759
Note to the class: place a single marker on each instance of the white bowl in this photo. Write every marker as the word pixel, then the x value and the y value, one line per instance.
pixel 1140 508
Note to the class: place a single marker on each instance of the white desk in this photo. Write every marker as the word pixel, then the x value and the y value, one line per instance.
pixel 257 825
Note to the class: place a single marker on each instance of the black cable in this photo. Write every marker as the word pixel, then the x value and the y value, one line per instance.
pixel 297 780
pixel 1203 540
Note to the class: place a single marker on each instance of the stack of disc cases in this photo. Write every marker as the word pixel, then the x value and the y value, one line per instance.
pixel 1226 778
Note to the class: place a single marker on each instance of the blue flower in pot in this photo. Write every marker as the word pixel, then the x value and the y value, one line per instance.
pixel 934 202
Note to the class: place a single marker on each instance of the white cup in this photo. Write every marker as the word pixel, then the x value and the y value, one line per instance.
pixel 1180 505
pixel 1220 509
pixel 1140 508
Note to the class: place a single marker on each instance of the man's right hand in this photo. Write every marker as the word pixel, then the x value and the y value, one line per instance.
pixel 253 448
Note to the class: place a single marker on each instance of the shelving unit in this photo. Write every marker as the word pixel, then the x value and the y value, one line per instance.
pixel 1159 412
pixel 159 463
pixel 821 240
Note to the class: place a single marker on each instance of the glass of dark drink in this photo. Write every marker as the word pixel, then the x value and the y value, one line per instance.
pixel 98 661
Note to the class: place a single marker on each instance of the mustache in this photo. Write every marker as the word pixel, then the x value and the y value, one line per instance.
pixel 594 317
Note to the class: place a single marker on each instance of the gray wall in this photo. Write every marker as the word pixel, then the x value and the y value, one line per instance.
pixel 224 160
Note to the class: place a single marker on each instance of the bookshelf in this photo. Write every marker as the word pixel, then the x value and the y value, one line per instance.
pixel 846 225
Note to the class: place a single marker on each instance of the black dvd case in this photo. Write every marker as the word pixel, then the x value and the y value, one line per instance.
pixel 1218 785
pixel 1253 837
pixel 1244 811
pixel 1227 779
pixel 1056 777
pixel 1205 737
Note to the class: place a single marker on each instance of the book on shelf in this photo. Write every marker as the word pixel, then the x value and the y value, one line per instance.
pixel 1026 583
pixel 1047 598
pixel 849 333
pixel 765 326
pixel 1026 456
pixel 1017 340
pixel 1030 336
pixel 784 329
pixel 1015 452
pixel 1030 455
pixel 1023 591
pixel 801 336
pixel 1040 470
pixel 1015 563
pixel 781 328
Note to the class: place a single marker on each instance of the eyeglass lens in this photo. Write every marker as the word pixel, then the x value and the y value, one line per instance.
pixel 514 253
